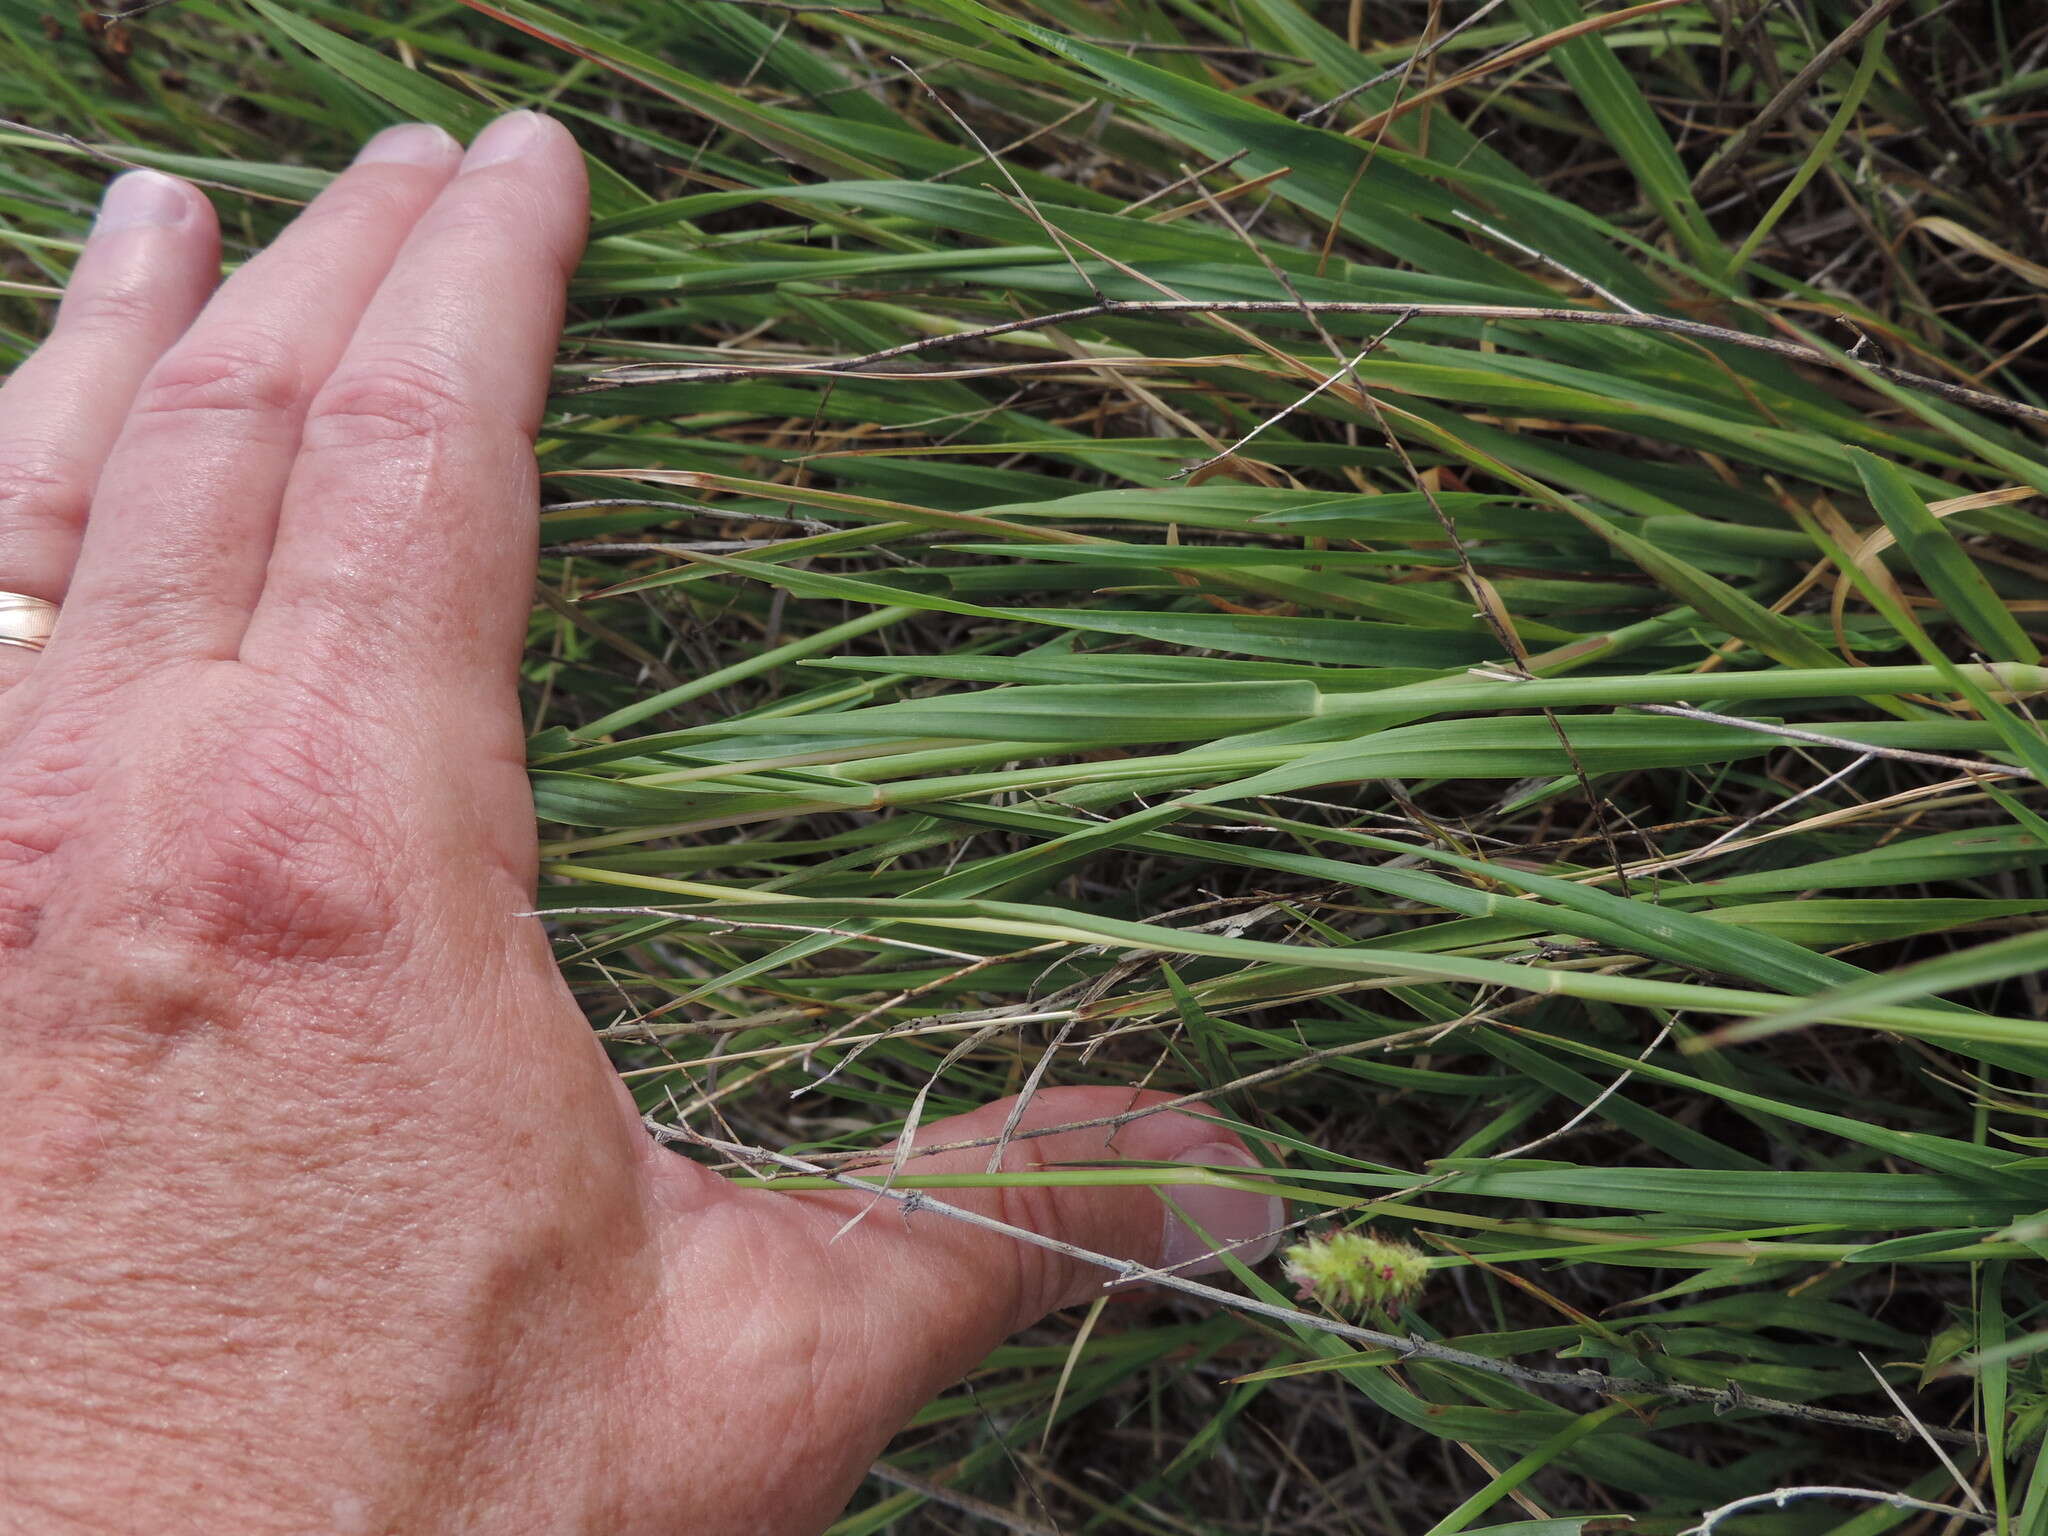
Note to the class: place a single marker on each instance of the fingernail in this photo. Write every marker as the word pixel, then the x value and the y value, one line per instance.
pixel 410 144
pixel 514 134
pixel 141 199
pixel 1245 1224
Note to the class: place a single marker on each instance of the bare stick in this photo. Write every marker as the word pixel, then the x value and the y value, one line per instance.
pixel 1976 767
pixel 1593 1107
pixel 1779 1498
pixel 1051 232
pixel 1549 261
pixel 1280 415
pixel 1729 1399
pixel 1784 805
pixel 1948 1462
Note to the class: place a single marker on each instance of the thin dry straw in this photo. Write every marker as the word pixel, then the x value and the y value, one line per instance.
pixel 1976 399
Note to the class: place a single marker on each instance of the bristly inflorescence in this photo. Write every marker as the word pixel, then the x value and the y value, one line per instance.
pixel 1355 1271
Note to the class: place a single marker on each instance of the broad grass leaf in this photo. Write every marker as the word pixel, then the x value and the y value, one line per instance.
pixel 1824 923
pixel 1616 103
pixel 415 95
pixel 1930 546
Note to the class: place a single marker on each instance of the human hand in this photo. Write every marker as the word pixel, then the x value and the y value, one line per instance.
pixel 320 1207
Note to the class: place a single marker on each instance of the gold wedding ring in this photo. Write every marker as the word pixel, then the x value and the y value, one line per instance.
pixel 26 621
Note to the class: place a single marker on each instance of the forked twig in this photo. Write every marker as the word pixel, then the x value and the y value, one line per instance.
pixel 1728 1399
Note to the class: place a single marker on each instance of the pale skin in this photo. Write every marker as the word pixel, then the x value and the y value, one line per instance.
pixel 320 1207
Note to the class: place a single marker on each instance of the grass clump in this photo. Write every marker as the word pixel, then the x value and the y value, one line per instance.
pixel 1461 583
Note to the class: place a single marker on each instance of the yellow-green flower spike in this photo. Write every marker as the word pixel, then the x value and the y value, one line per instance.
pixel 1355 1271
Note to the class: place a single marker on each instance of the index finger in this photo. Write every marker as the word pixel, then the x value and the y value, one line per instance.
pixel 405 546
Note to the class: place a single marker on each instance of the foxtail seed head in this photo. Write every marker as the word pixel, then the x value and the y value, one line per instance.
pixel 1355 1271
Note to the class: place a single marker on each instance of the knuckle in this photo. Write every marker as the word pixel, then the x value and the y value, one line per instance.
pixel 246 374
pixel 356 201
pixel 41 487
pixel 43 789
pixel 158 896
pixel 284 863
pixel 145 988
pixel 403 396
pixel 115 309
pixel 1039 1279
pixel 203 862
pixel 24 851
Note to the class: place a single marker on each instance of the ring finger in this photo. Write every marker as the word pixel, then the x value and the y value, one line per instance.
pixel 147 267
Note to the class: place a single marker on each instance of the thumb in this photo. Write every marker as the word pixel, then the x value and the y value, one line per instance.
pixel 937 1294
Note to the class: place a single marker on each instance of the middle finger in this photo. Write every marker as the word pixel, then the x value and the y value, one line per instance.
pixel 181 524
